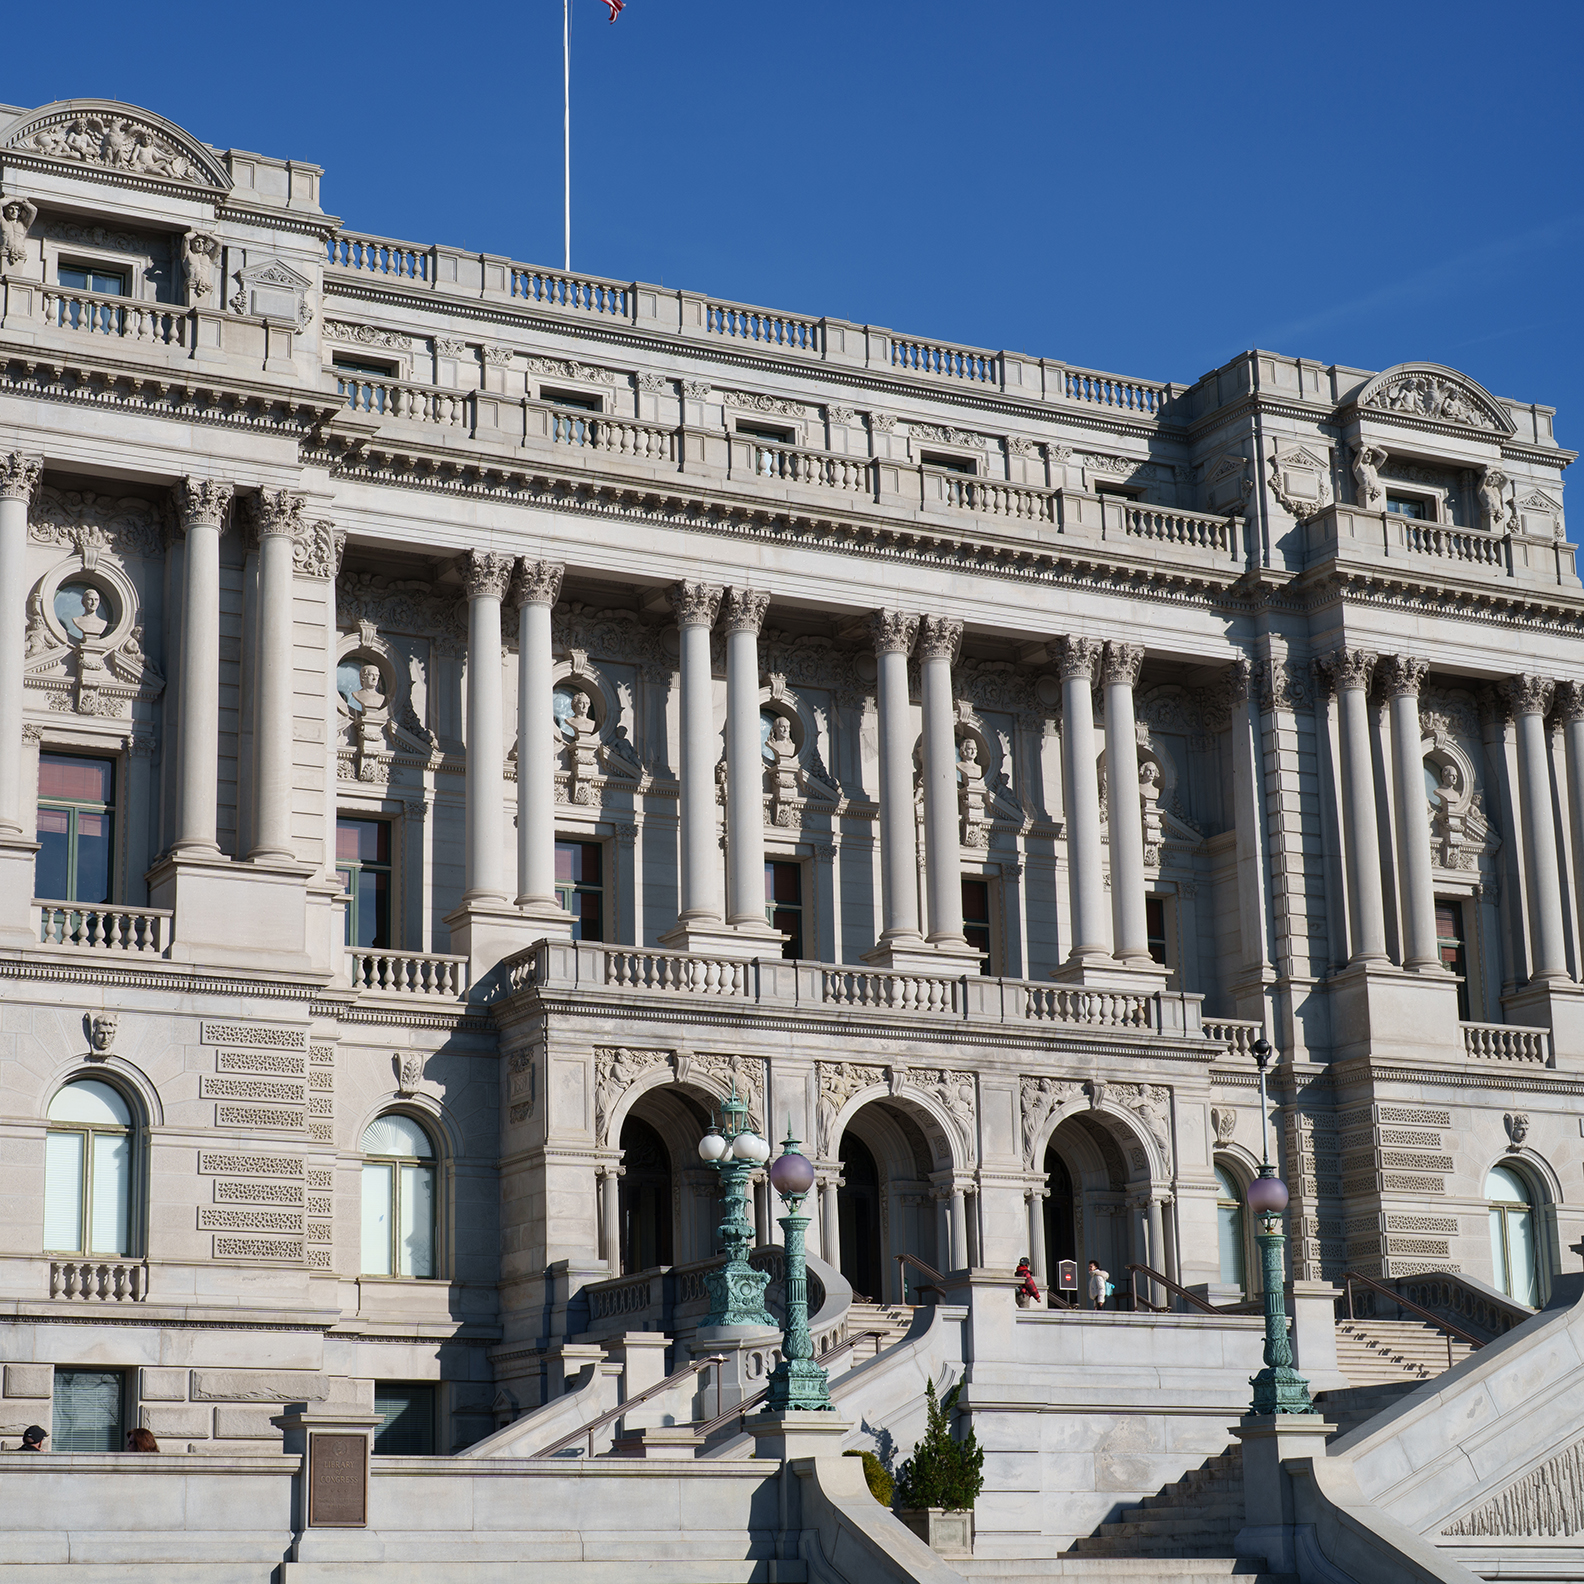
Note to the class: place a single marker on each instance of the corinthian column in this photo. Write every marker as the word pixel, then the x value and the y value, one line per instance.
pixel 1129 926
pixel 201 505
pixel 1530 698
pixel 1350 671
pixel 486 576
pixel 1570 709
pixel 18 476
pixel 1401 678
pixel 1081 804
pixel 938 642
pixel 699 891
pixel 894 632
pixel 278 518
pixel 744 615
pixel 537 589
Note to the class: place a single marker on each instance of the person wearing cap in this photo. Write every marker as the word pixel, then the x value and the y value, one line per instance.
pixel 33 1439
pixel 1028 1289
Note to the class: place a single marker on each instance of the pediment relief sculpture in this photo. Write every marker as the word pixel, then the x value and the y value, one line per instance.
pixel 1426 390
pixel 109 137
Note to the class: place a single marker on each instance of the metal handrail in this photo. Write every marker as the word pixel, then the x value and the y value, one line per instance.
pixel 709 1426
pixel 674 1379
pixel 1171 1286
pixel 929 1270
pixel 1451 1328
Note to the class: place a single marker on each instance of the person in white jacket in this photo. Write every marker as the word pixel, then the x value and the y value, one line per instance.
pixel 1098 1281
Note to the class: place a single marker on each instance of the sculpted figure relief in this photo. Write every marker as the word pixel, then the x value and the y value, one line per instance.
pixel 1493 499
pixel 200 256
pixel 16 216
pixel 1367 463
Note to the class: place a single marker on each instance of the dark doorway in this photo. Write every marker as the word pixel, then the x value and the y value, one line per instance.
pixel 645 1198
pixel 859 1220
pixel 1061 1213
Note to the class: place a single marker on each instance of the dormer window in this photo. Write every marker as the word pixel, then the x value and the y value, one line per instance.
pixel 90 278
pixel 949 464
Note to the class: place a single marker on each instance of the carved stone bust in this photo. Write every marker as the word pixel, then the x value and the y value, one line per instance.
pixel 968 766
pixel 90 623
pixel 102 1027
pixel 370 696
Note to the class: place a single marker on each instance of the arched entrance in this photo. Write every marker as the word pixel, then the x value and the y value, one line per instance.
pixel 645 1196
pixel 860 1218
pixel 1061 1213
pixel 667 1201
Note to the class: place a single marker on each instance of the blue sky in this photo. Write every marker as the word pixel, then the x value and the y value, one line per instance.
pixel 1145 189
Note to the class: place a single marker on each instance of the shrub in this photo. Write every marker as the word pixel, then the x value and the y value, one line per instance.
pixel 943 1472
pixel 880 1483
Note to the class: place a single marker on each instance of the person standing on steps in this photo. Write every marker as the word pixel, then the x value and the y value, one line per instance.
pixel 1028 1293
pixel 1099 1281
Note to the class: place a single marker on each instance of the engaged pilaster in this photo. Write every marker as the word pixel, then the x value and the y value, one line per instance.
pixel 1077 658
pixel 1401 677
pixel 536 590
pixel 277 520
pixel 1120 668
pixel 19 476
pixel 938 642
pixel 486 576
pixel 743 614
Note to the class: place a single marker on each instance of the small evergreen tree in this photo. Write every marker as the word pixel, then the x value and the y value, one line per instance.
pixel 880 1482
pixel 943 1472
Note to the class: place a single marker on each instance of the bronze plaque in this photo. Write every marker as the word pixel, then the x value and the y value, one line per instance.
pixel 337 1480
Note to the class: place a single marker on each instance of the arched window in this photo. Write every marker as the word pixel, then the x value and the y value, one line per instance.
pixel 1514 1231
pixel 88 1171
pixel 1229 1222
pixel 398 1198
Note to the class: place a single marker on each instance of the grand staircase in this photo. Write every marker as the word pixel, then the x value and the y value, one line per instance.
pixel 1385 1352
pixel 884 1323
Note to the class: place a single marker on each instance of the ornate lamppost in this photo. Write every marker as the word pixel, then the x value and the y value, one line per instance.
pixel 736 1289
pixel 797 1382
pixel 1278 1388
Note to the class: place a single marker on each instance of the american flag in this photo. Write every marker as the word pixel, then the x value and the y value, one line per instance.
pixel 616 7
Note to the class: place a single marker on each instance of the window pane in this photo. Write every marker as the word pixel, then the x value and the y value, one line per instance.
pixel 1229 1221
pixel 1499 1272
pixel 417 1243
pixel 88 1100
pixel 110 1219
pixel 362 841
pixel 70 275
pixel 52 864
pixel 409 1415
pixel 376 1218
pixel 74 780
pixel 373 908
pixel 396 1135
pixel 789 922
pixel 87 1411
pixel 99 281
pixel 1521 1256
pixel 976 901
pixel 568 856
pixel 93 858
pixel 1504 1186
pixel 63 1173
pixel 589 912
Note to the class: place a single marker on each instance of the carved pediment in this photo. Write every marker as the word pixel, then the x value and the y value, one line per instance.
pixel 117 139
pixel 1426 390
pixel 271 288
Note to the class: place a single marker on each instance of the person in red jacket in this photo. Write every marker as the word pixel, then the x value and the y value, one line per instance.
pixel 1028 1292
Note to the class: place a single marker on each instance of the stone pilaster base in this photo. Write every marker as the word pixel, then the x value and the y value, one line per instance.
pixel 17 925
pixel 241 915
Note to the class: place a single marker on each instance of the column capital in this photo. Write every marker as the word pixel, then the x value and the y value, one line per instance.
pixel 486 574
pixel 1401 676
pixel 202 502
pixel 1122 663
pixel 1529 695
pixel 939 638
pixel 1077 657
pixel 695 604
pixel 1349 668
pixel 1238 677
pixel 276 514
pixel 894 631
pixel 538 582
pixel 19 473
pixel 316 549
pixel 743 610
pixel 1570 700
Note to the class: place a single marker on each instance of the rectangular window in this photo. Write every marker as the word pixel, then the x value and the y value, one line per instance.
pixel 784 904
pixel 948 464
pixel 76 824
pixel 63 1191
pixel 407 1413
pixel 361 365
pixel 90 1408
pixel 573 399
pixel 1408 506
pixel 580 887
pixel 769 432
pixel 1454 949
pixel 363 848
pixel 976 920
pixel 1155 928
pixel 89 277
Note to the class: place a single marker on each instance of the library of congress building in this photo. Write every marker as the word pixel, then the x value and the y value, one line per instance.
pixel 462 722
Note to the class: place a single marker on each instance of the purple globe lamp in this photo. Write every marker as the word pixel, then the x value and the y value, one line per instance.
pixel 797 1382
pixel 735 1151
pixel 1278 1388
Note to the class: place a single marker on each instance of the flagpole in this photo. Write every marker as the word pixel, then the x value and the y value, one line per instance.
pixel 566 123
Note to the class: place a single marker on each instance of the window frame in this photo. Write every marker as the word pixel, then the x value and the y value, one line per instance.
pixel 568 891
pixel 75 806
pixel 800 907
pixel 366 367
pixel 353 867
pixel 990 963
pixel 118 1439
pixel 573 401
pixel 1429 502
pixel 960 466
pixel 133 1133
pixel 432 1388
pixel 1536 1205
pixel 1252 1285
pixel 433 1162
pixel 90 269
pixel 1460 944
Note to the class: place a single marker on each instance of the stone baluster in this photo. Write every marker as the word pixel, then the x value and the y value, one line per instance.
pixel 202 505
pixel 1530 699
pixel 277 517
pixel 1350 671
pixel 699 891
pixel 894 633
pixel 1120 667
pixel 537 588
pixel 1401 678
pixel 1081 804
pixel 743 615
pixel 938 642
pixel 19 474
pixel 486 576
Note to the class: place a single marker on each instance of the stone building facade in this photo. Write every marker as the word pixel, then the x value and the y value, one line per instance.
pixel 459 721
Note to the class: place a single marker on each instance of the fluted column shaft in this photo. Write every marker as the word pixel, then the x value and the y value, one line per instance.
pixel 278 517
pixel 743 614
pixel 1036 1234
pixel 1570 707
pixel 486 576
pixel 1129 924
pixel 1350 671
pixel 938 643
pixel 537 589
pixel 959 1229
pixel 202 504
pixel 18 476
pixel 894 632
pixel 699 891
pixel 1402 678
pixel 1530 698
pixel 610 1213
pixel 830 1223
pixel 1081 786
